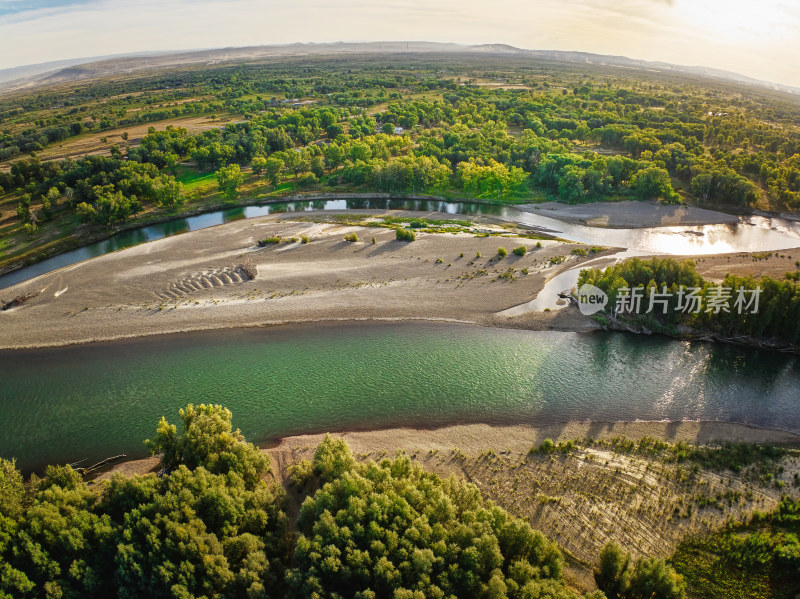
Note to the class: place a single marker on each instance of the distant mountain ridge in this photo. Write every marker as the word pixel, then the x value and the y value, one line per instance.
pixel 89 68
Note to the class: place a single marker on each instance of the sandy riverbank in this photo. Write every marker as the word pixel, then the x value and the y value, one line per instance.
pixel 197 281
pixel 630 214
pixel 478 438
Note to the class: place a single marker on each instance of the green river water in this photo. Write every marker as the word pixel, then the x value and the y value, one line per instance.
pixel 93 401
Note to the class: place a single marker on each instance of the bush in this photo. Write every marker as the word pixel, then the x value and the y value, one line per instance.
pixel 273 239
pixel 301 473
pixel 652 578
pixel 304 238
pixel 405 235
pixel 502 252
pixel 520 250
pixel 307 180
pixel 547 446
pixel 351 237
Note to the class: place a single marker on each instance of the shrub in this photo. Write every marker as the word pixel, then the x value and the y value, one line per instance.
pixel 617 576
pixel 502 252
pixel 273 239
pixel 304 238
pixel 351 237
pixel 520 250
pixel 405 235
pixel 307 180
pixel 547 446
pixel 301 473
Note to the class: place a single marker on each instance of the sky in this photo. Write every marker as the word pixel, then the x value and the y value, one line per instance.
pixel 759 39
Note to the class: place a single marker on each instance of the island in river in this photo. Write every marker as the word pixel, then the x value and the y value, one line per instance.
pixel 221 277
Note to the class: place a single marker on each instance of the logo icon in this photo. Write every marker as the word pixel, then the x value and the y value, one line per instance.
pixel 591 299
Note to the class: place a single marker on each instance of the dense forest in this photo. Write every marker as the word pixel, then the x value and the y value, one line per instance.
pixel 506 131
pixel 664 295
pixel 209 524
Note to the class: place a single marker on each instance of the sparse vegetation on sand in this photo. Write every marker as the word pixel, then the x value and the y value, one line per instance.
pixel 405 235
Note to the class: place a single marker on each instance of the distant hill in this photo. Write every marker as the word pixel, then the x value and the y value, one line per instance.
pixel 90 68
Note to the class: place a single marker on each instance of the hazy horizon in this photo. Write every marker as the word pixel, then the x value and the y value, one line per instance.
pixel 731 35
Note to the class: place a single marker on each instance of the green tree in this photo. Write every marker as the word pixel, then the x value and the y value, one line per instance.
pixel 229 179
pixel 207 439
pixel 612 575
pixel 258 165
pixel 273 168
pixel 653 182
pixel 170 194
pixel 655 579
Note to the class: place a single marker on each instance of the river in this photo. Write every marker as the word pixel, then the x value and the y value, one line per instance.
pixel 88 402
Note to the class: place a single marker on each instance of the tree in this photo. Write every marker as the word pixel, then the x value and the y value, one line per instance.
pixel 12 489
pixel 390 529
pixel 170 194
pixel 612 576
pixel 273 167
pixel 50 201
pixel 109 207
pixel 333 131
pixel 258 165
pixel 648 578
pixel 653 182
pixel 229 179
pixel 296 162
pixel 23 212
pixel 655 579
pixel 208 440
pixel 318 166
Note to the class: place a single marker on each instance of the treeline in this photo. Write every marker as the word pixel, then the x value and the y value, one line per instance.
pixel 663 294
pixel 207 525
pixel 102 189
pixel 587 141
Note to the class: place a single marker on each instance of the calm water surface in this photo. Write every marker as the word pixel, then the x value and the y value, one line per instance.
pixel 89 402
